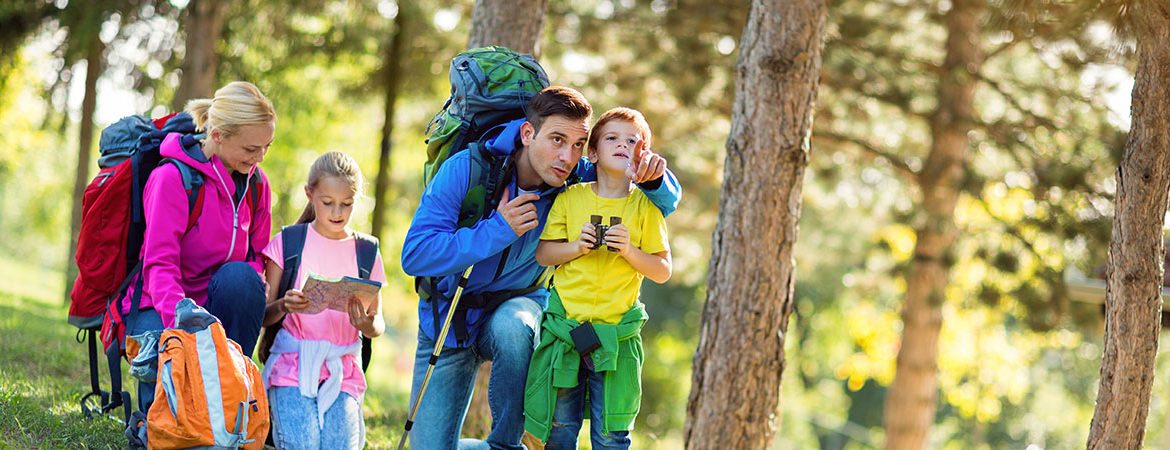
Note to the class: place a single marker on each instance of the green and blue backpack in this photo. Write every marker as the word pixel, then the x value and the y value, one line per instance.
pixel 490 86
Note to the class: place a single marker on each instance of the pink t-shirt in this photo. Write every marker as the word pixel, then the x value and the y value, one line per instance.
pixel 329 258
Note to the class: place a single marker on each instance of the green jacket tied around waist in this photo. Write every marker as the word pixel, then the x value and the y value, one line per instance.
pixel 555 365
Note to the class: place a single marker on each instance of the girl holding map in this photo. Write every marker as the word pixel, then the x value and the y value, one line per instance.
pixel 313 372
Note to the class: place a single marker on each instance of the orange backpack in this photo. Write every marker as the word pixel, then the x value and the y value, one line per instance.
pixel 208 393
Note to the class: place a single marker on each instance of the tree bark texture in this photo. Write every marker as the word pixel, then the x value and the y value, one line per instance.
pixel 93 70
pixel 1133 300
pixel 740 357
pixel 204 25
pixel 910 406
pixel 516 24
pixel 392 59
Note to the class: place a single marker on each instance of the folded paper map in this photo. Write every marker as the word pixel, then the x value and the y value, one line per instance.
pixel 334 293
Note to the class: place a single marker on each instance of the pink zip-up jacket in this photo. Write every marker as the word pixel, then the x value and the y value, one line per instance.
pixel 179 263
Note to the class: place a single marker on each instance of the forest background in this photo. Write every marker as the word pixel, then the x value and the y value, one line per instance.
pixel 1019 350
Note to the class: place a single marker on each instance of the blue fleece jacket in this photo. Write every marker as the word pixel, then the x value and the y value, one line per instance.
pixel 436 247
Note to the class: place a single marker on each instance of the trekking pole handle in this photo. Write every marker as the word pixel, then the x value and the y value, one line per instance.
pixel 435 355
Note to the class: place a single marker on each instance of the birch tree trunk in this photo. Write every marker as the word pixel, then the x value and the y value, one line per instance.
pixel 1133 300
pixel 910 407
pixel 516 24
pixel 740 358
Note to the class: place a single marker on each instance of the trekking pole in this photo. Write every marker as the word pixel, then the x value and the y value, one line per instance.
pixel 435 355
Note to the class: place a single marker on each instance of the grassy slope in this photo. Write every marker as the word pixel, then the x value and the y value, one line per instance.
pixel 43 370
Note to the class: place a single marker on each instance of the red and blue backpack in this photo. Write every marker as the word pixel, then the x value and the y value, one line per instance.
pixel 109 244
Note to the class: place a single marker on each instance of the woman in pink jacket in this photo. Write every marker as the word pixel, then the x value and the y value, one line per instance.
pixel 209 253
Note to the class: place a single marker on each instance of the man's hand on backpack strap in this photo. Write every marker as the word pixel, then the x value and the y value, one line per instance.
pixel 519 212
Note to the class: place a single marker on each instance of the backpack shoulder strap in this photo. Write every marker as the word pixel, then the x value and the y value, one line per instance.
pixel 292 241
pixel 367 253
pixel 253 198
pixel 487 177
pixel 193 184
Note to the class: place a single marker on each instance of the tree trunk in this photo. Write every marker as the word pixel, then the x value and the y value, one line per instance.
pixel 93 69
pixel 1133 300
pixel 910 407
pixel 516 24
pixel 740 356
pixel 392 59
pixel 204 27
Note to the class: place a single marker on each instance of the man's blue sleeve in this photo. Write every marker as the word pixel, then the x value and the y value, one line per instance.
pixel 435 245
pixel 665 192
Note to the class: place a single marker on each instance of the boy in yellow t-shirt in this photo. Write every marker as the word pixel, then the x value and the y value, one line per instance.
pixel 594 316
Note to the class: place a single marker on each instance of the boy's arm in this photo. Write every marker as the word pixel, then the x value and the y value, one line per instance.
pixel 555 253
pixel 664 192
pixel 434 244
pixel 655 266
pixel 651 255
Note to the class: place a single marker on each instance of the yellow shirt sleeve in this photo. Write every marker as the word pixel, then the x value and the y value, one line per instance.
pixel 654 235
pixel 555 228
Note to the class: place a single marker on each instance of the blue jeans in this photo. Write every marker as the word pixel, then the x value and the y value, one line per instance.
pixel 570 411
pixel 507 339
pixel 235 296
pixel 295 424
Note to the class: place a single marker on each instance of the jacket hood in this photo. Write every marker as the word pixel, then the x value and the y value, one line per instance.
pixel 504 139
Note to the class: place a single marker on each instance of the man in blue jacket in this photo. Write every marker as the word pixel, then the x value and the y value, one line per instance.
pixel 499 312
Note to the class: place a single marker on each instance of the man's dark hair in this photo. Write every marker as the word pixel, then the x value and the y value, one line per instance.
pixel 557 101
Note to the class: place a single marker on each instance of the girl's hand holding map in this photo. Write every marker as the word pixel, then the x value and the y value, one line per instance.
pixel 294 301
pixel 323 293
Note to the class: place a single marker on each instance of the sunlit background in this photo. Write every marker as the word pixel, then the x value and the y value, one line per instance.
pixel 1021 341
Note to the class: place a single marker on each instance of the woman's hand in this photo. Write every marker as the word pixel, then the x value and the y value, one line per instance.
pixel 294 301
pixel 362 317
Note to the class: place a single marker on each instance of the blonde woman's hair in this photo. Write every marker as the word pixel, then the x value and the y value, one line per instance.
pixel 237 104
pixel 332 164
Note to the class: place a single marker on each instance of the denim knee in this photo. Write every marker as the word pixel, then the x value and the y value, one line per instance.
pixel 236 296
pixel 239 281
pixel 514 322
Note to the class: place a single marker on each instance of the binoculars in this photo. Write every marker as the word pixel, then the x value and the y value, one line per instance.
pixel 602 229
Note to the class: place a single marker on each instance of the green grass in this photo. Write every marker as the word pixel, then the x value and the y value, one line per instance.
pixel 43 374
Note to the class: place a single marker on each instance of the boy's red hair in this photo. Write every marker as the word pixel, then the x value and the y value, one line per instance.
pixel 622 113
